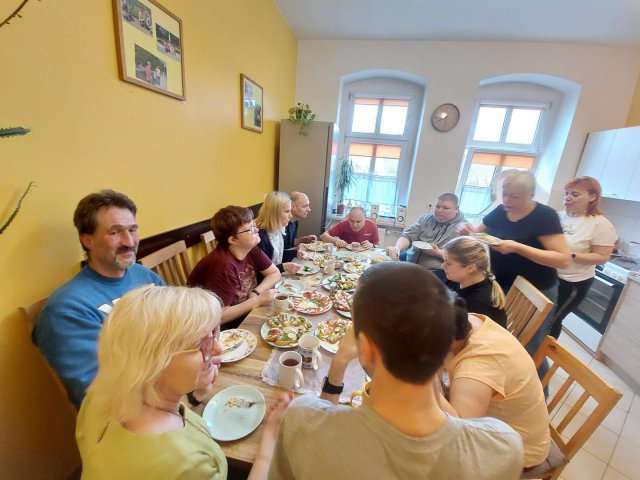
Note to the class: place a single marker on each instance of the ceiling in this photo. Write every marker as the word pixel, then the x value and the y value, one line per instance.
pixel 601 22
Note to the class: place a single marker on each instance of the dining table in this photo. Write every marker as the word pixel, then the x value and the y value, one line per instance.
pixel 251 369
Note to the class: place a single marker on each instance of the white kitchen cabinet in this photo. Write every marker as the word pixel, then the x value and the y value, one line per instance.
pixel 613 157
pixel 595 154
pixel 623 158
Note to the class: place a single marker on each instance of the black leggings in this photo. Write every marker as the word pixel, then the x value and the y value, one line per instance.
pixel 570 294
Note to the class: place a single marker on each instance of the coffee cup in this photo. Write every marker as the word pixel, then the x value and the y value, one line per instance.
pixel 360 397
pixel 355 246
pixel 309 350
pixel 290 371
pixel 282 303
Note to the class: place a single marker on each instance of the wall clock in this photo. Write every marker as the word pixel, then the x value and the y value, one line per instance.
pixel 445 117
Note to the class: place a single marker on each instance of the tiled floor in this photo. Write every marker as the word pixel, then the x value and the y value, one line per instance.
pixel 613 451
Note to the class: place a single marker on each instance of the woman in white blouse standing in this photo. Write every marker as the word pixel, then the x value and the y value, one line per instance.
pixel 590 237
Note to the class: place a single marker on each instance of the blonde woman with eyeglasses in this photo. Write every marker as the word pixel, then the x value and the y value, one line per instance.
pixel 157 344
pixel 466 265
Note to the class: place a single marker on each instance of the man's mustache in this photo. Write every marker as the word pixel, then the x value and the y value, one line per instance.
pixel 126 250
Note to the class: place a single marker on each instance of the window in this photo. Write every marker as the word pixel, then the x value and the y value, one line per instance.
pixel 503 137
pixel 377 144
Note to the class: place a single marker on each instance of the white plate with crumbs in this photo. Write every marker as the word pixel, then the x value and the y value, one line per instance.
pixel 422 245
pixel 225 417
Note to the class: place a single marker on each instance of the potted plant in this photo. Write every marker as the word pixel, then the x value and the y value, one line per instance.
pixel 346 179
pixel 302 115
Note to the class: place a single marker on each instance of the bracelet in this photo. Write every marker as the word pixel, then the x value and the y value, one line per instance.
pixel 255 290
pixel 193 400
pixel 330 388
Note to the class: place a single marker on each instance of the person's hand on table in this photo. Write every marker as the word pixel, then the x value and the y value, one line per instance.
pixel 348 348
pixel 267 296
pixel 302 255
pixel 340 243
pixel 367 245
pixel 291 268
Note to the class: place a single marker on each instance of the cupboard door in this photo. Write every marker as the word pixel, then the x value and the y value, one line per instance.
pixel 633 193
pixel 596 151
pixel 623 157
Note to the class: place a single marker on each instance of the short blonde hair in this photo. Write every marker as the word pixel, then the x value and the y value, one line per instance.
pixel 469 251
pixel 523 178
pixel 143 332
pixel 269 212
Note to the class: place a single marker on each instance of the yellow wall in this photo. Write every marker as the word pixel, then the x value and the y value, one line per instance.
pixel 634 112
pixel 180 161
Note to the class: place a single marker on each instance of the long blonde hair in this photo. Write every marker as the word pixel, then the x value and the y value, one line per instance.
pixel 269 214
pixel 468 251
pixel 143 332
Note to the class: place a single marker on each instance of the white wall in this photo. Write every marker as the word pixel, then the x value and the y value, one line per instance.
pixel 453 71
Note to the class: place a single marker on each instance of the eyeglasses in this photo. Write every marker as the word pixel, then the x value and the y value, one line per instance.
pixel 205 348
pixel 251 229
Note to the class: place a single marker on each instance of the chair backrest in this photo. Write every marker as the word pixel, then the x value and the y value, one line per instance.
pixel 209 241
pixel 170 262
pixel 526 309
pixel 581 379
pixel 30 312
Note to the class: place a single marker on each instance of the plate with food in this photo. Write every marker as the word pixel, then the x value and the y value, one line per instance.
pixel 348 256
pixel 284 329
pixel 236 344
pixel 342 301
pixel 422 245
pixel 486 238
pixel 379 258
pixel 357 267
pixel 342 281
pixel 331 332
pixel 308 268
pixel 234 412
pixel 316 246
pixel 311 302
pixel 323 259
pixel 290 286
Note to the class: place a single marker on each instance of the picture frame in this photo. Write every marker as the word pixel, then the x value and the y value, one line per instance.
pixel 150 46
pixel 251 106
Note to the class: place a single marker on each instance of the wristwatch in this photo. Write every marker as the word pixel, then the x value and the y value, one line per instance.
pixel 573 255
pixel 193 400
pixel 330 388
pixel 255 290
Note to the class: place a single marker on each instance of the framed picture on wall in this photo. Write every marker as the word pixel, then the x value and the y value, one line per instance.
pixel 150 46
pixel 251 104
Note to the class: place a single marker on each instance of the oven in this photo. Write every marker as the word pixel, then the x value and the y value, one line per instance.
pixel 598 305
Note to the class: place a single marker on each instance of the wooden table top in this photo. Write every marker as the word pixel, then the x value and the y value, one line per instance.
pixel 248 371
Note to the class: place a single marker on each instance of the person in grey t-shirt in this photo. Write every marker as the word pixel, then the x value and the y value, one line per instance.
pixel 403 326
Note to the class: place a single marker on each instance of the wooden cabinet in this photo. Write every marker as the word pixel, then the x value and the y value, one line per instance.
pixel 613 157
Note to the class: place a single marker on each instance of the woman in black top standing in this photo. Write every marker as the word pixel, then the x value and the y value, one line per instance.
pixel 466 265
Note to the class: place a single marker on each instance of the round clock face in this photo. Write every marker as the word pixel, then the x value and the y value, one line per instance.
pixel 445 117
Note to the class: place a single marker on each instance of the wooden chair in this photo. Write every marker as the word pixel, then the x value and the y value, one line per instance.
pixel 30 314
pixel 526 309
pixel 170 262
pixel 563 445
pixel 209 241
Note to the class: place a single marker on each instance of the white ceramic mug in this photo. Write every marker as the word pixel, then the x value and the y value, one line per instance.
pixel 355 246
pixel 290 373
pixel 309 350
pixel 281 303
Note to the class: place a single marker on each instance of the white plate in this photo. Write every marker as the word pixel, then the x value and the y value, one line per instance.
pixel 231 423
pixel 422 245
pixel 344 314
pixel 347 256
pixel 264 330
pixel 313 268
pixel 228 339
pixel 326 283
pixel 486 238
pixel 291 286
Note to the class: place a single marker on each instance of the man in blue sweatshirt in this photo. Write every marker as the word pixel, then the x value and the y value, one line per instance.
pixel 68 326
